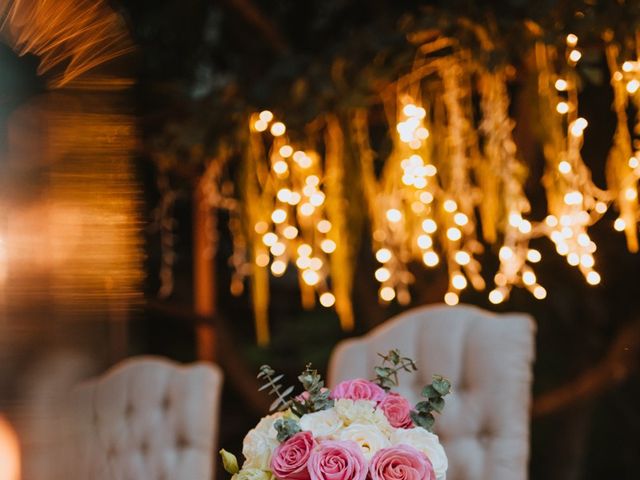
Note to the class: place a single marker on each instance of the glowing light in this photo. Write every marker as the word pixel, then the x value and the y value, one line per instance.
pixel 305 250
pixel 587 260
pixel 387 294
pixel 584 240
pixel 328 246
pixel 430 170
pixel 394 215
pixel 551 220
pixel 462 258
pixel 383 255
pixel 305 162
pixel 278 129
pixel 525 226
pixel 573 259
pixel 303 262
pixel 426 197
pixel 575 56
pixel 593 278
pixel 632 86
pixel 561 84
pixel 265 116
pixel 450 205
pixel 601 207
pixel 528 278
pixel 505 254
pixel 290 232
pixel 327 299
pixel 310 277
pixel 262 259
pixel 261 227
pixel 269 239
pixel 459 282
pixel 286 151
pixel 539 292
pixel 429 226
pixel 460 219
pixel 278 216
pixel 619 225
pixel 260 126
pixel 572 40
pixel 578 126
pixel 324 226
pixel 278 267
pixel 317 199
pixel 633 162
pixel 451 298
pixel 424 241
pixel 562 107
pixel 422 133
pixel 430 259
pixel 382 274
pixel 627 66
pixel 573 198
pixel 564 167
pixel 312 180
pixel 306 209
pixel 534 256
pixel 278 249
pixel 280 167
pixel 454 234
pixel 631 194
pixel 315 264
pixel 496 296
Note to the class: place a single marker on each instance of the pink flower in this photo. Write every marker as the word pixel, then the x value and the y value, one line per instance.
pixel 337 460
pixel 401 462
pixel 289 460
pixel 305 395
pixel 397 409
pixel 358 389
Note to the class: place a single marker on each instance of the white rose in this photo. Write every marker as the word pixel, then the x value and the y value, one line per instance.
pixel 323 424
pixel 252 474
pixel 265 425
pixel 367 436
pixel 355 411
pixel 426 442
pixel 257 448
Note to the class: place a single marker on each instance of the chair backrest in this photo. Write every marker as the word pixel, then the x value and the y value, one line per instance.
pixel 148 418
pixel 485 425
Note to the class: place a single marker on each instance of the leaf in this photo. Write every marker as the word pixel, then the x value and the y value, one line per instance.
pixel 430 392
pixel 441 385
pixel 438 404
pixel 423 406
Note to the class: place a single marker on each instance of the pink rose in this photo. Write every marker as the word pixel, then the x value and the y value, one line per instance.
pixel 337 460
pixel 358 389
pixel 289 460
pixel 305 395
pixel 397 409
pixel 401 462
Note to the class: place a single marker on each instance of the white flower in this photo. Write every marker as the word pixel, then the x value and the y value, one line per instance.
pixel 323 424
pixel 367 436
pixel 265 425
pixel 426 442
pixel 252 474
pixel 257 448
pixel 355 411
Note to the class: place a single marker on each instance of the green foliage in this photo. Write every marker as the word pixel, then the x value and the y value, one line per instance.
pixel 268 375
pixel 392 363
pixel 317 396
pixel 229 462
pixel 286 428
pixel 423 416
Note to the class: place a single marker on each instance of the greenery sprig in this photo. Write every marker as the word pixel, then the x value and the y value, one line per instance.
pixel 392 363
pixel 286 428
pixel 316 396
pixel 268 375
pixel 434 394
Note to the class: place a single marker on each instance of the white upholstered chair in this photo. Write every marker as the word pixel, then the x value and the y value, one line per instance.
pixel 148 419
pixel 485 425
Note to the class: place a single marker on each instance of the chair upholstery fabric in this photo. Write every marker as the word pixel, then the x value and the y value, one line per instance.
pixel 485 425
pixel 148 419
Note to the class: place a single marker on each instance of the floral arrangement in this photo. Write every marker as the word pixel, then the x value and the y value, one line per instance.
pixel 359 430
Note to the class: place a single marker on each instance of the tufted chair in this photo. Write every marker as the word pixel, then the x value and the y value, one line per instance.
pixel 485 425
pixel 148 419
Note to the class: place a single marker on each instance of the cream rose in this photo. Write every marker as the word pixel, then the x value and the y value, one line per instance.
pixel 265 425
pixel 368 437
pixel 252 474
pixel 355 411
pixel 323 424
pixel 427 443
pixel 257 448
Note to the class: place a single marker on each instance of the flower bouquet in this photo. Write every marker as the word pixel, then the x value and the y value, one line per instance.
pixel 358 430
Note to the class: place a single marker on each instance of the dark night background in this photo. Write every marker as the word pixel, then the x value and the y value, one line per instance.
pixel 199 63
